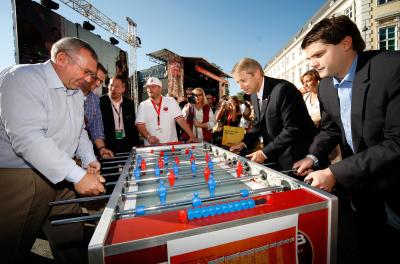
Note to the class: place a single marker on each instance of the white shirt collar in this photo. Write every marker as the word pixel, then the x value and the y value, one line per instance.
pixel 117 104
pixel 261 92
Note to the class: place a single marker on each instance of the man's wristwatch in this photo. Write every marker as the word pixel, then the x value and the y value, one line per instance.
pixel 314 159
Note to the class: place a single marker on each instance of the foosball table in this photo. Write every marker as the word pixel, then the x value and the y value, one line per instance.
pixel 199 203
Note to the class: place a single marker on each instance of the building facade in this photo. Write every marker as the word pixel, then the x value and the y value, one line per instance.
pixel 378 21
pixel 386 25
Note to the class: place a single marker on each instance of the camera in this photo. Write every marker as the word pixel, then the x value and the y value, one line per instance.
pixel 191 99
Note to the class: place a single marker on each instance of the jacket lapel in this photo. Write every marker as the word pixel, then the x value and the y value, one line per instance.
pixel 256 107
pixel 266 96
pixel 359 91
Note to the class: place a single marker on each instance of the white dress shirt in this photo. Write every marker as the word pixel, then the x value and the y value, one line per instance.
pixel 42 123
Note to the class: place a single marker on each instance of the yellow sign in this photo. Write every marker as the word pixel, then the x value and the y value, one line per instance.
pixel 232 135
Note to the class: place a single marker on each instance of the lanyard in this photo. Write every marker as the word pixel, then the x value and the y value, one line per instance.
pixel 229 118
pixel 157 107
pixel 118 112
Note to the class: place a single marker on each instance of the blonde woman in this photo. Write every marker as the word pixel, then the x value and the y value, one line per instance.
pixel 199 116
pixel 310 80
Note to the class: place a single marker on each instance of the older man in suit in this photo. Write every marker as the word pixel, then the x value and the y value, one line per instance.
pixel 281 117
pixel 360 104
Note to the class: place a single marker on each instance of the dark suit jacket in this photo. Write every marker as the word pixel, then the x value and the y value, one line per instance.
pixel 375 123
pixel 284 123
pixel 128 114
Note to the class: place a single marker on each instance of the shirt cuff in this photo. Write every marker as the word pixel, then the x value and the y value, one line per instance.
pixel 311 156
pixel 87 158
pixel 76 174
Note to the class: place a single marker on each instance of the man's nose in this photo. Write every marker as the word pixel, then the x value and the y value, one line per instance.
pixel 313 63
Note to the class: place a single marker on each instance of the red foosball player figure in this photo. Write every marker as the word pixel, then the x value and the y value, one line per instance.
pixel 239 169
pixel 207 173
pixel 171 178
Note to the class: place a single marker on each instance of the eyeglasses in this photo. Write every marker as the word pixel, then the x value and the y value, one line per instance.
pixel 197 95
pixel 87 72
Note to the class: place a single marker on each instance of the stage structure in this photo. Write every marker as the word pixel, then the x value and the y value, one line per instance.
pixel 182 72
pixel 130 37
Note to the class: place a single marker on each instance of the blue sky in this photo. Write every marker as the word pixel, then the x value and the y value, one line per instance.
pixel 221 31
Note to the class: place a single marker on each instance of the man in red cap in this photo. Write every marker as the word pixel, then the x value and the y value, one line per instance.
pixel 156 116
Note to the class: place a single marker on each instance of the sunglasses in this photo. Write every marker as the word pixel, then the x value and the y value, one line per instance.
pixel 197 95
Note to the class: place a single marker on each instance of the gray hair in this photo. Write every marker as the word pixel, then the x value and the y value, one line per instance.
pixel 71 45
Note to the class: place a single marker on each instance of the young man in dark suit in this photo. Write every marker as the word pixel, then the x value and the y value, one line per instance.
pixel 360 104
pixel 118 113
pixel 281 117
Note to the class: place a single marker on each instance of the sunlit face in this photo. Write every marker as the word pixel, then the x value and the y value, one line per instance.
pixel 310 83
pixel 154 91
pixel 249 83
pixel 199 96
pixel 327 59
pixel 116 88
pixel 79 70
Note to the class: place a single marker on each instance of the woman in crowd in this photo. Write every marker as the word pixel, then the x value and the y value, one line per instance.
pixel 199 116
pixel 228 114
pixel 121 67
pixel 310 80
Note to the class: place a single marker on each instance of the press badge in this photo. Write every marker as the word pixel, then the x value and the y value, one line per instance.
pixel 119 134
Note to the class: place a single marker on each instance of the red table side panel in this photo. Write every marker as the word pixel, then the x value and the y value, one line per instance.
pixel 311 248
pixel 164 223
pixel 314 227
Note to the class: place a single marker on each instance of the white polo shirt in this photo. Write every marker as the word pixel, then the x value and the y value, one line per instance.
pixel 147 115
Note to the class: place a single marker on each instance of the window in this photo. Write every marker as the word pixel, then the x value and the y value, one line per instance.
pixel 382 2
pixel 349 12
pixel 387 38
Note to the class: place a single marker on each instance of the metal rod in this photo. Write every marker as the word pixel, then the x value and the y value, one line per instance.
pixel 181 165
pixel 209 199
pixel 173 156
pixel 179 150
pixel 112 167
pixel 150 191
pixel 113 162
pixel 110 174
pixel 177 187
pixel 80 200
pixel 114 158
pixel 77 219
pixel 183 176
pixel 122 154
pixel 158 207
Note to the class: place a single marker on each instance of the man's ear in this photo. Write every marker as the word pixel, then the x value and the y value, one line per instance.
pixel 62 59
pixel 347 43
